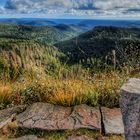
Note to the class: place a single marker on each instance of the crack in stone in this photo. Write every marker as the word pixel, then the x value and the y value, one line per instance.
pixel 102 123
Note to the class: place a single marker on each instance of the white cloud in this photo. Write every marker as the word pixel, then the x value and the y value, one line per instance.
pixel 74 7
pixel 112 4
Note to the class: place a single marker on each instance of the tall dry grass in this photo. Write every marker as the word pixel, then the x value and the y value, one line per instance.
pixel 5 94
pixel 102 89
pixel 32 73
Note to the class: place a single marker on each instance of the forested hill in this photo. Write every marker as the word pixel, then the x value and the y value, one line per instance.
pixel 99 43
pixel 44 34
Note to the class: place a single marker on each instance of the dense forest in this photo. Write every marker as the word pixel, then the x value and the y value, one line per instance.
pixel 41 34
pixel 98 44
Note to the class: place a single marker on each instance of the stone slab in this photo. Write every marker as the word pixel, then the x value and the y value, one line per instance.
pixel 112 120
pixel 45 116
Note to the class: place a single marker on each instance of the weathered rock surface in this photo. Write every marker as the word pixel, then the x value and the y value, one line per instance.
pixel 112 120
pixel 7 115
pixel 79 138
pixel 45 116
pixel 130 106
pixel 101 138
pixel 28 137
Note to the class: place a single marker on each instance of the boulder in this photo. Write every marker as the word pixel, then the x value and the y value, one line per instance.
pixel 130 106
pixel 7 115
pixel 45 116
pixel 79 138
pixel 112 121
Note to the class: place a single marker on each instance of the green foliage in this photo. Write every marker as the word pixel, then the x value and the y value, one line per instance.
pixel 60 135
pixel 92 98
pixel 44 34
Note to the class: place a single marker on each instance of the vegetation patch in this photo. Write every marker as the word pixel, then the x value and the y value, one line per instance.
pixel 58 135
pixel 89 69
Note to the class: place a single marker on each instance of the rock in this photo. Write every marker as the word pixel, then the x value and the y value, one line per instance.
pixel 28 137
pixel 130 106
pixel 5 130
pixel 45 116
pixel 79 138
pixel 100 138
pixel 112 120
pixel 7 115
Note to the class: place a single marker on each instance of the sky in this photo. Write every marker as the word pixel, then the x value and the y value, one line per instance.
pixel 125 9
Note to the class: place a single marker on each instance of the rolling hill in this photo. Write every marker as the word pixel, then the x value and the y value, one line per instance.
pixel 26 21
pixel 83 23
pixel 104 22
pixel 91 49
pixel 99 44
pixel 43 34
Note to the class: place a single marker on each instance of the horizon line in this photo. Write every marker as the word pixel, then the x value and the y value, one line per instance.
pixel 59 18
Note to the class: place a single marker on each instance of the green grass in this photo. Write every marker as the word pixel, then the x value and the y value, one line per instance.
pixel 58 135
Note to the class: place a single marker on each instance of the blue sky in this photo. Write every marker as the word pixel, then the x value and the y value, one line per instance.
pixel 125 9
pixel 2 2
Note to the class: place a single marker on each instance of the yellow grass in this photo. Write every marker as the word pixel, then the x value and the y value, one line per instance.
pixel 101 89
pixel 5 92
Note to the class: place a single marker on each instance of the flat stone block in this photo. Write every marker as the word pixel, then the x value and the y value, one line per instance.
pixel 112 120
pixel 45 116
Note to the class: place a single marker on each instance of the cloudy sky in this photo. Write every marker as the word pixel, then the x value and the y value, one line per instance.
pixel 71 8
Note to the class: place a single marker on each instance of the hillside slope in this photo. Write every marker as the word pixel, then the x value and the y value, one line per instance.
pixel 100 42
pixel 18 57
pixel 44 34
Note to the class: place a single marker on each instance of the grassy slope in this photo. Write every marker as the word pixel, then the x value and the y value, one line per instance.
pixel 31 72
pixel 37 74
pixel 19 56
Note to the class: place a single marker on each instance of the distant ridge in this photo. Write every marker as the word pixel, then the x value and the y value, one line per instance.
pixel 79 22
pixel 31 22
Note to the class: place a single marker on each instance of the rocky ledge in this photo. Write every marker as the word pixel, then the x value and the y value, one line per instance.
pixel 48 117
pixel 51 117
